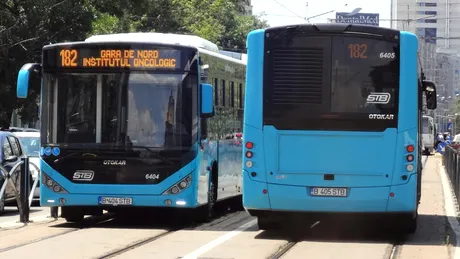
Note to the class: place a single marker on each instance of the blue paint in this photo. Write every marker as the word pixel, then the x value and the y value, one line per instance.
pixel 207 100
pixel 48 151
pixel 254 80
pixel 56 151
pixel 287 163
pixel 441 148
pixel 23 83
pixel 42 151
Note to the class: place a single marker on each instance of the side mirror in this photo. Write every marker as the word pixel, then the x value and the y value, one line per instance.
pixel 23 83
pixel 10 159
pixel 430 92
pixel 207 101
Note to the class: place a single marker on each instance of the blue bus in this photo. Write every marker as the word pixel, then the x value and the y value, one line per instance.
pixel 133 120
pixel 332 123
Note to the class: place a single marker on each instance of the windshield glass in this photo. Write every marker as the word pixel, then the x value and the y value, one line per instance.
pixel 30 145
pixel 143 109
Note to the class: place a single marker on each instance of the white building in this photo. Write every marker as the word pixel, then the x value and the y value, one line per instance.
pixel 437 24
pixel 430 18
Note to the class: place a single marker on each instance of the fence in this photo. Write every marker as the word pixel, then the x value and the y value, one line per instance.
pixel 451 161
pixel 25 195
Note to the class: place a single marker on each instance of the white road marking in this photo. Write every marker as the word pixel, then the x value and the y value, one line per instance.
pixel 451 212
pixel 220 240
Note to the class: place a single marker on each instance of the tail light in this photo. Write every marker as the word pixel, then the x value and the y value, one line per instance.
pixel 249 154
pixel 410 148
pixel 410 158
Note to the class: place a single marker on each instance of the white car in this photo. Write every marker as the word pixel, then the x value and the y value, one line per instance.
pixel 30 142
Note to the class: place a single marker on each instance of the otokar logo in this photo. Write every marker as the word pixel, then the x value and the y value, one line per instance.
pixel 381 116
pixel 379 98
pixel 83 175
pixel 114 162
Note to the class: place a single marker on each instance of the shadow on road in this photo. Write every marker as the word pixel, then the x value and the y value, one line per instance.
pixel 431 230
pixel 139 218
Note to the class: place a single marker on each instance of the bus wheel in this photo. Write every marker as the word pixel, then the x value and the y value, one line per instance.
pixel 72 214
pixel 206 213
pixel 267 223
pixel 407 225
pixel 2 205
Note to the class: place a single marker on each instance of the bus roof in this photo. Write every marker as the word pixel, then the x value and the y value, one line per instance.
pixel 155 37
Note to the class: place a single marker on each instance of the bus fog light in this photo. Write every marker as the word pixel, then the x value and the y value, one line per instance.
pixel 181 203
pixel 249 164
pixel 62 201
pixel 409 167
pixel 168 202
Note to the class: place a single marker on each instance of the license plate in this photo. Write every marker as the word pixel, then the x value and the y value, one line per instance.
pixel 333 192
pixel 115 201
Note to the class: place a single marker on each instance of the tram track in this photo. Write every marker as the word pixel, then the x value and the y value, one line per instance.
pixel 86 223
pixel 283 250
pixel 394 251
pixel 191 226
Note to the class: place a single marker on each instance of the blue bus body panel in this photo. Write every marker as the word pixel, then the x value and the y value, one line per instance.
pixel 143 195
pixel 287 163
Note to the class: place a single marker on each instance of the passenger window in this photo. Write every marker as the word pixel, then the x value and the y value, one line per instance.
pixel 6 148
pixel 14 146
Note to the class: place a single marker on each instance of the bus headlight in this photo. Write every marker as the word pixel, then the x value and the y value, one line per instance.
pixel 178 187
pixel 52 185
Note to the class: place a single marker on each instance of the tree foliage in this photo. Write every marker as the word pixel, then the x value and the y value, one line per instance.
pixel 27 25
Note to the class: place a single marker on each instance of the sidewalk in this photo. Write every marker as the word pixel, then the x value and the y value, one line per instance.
pixel 433 233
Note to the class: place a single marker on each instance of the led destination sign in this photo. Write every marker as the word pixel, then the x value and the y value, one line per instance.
pixel 118 58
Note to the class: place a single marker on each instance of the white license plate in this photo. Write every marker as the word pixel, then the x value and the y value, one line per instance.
pixel 334 192
pixel 115 201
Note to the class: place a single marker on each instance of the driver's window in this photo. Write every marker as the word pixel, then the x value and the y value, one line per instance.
pixel 6 148
pixel 14 146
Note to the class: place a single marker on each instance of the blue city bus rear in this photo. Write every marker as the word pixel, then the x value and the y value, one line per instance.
pixel 122 125
pixel 331 122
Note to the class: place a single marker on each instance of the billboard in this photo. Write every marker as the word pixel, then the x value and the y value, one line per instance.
pixel 359 18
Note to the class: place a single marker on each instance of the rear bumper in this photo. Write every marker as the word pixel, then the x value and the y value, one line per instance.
pixel 360 200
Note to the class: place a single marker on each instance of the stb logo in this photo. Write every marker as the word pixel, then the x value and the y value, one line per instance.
pixel 83 175
pixel 379 98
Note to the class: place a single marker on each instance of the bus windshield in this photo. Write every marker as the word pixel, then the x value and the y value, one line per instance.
pixel 144 109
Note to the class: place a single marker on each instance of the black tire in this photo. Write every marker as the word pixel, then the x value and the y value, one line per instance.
pixel 237 204
pixel 206 213
pixel 267 223
pixel 2 205
pixel 72 214
pixel 406 225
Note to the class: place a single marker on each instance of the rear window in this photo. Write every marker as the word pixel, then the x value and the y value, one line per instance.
pixel 331 82
pixel 364 76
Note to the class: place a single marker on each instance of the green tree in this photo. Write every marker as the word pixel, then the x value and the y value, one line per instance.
pixel 25 27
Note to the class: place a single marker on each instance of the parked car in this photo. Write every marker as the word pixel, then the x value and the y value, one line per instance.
pixel 30 141
pixel 11 153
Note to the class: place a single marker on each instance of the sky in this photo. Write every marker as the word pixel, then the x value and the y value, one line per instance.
pixel 283 12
